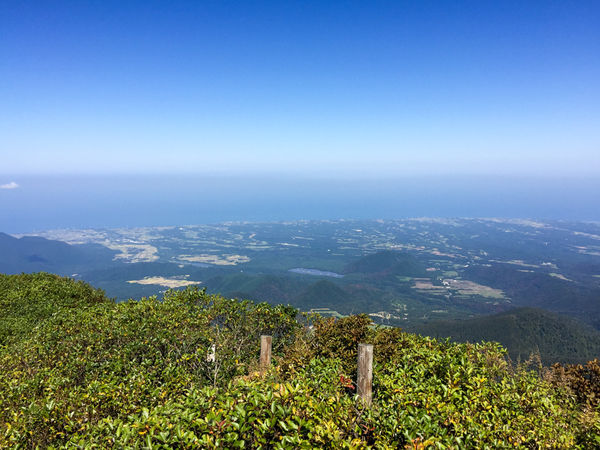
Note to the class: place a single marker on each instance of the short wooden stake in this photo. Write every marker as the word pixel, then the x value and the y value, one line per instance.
pixel 265 352
pixel 364 380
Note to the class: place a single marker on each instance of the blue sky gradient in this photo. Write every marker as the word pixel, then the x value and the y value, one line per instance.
pixel 309 87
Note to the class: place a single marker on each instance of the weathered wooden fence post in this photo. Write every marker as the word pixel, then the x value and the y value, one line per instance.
pixel 265 352
pixel 364 379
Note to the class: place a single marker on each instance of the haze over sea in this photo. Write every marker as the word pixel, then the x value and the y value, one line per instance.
pixel 69 201
pixel 273 111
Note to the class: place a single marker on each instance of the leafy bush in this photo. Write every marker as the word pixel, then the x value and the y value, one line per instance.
pixel 112 360
pixel 583 381
pixel 26 300
pixel 308 411
pixel 181 373
pixel 329 338
pixel 444 394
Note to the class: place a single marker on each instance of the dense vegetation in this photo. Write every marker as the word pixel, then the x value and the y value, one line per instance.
pixel 386 263
pixel 523 331
pixel 27 300
pixel 181 372
pixel 539 290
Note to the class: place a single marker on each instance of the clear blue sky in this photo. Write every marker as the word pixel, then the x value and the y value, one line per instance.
pixel 420 87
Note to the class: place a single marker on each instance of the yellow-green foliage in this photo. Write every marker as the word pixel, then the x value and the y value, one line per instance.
pixel 139 375
pixel 26 300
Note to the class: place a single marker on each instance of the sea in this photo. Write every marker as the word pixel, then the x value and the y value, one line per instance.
pixel 35 202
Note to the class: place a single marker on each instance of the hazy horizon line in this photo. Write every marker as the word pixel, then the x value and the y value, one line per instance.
pixel 9 177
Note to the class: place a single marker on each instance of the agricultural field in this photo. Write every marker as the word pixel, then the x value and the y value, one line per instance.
pixel 433 268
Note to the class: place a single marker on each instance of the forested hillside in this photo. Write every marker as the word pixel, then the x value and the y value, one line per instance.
pixel 523 331
pixel 401 272
pixel 78 370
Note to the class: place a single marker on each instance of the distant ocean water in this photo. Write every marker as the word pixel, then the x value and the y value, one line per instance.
pixel 45 202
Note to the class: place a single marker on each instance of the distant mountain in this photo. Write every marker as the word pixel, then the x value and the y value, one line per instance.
pixel 347 299
pixel 541 290
pixel 34 254
pixel 264 288
pixel 523 331
pixel 386 263
pixel 324 294
pixel 300 292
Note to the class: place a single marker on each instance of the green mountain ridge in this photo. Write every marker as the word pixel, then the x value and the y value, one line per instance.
pixel 326 294
pixel 387 263
pixel 261 287
pixel 541 290
pixel 550 265
pixel 34 254
pixel 524 331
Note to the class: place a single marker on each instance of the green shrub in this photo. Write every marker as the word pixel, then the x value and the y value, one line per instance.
pixel 309 411
pixel 444 394
pixel 181 373
pixel 329 338
pixel 112 360
pixel 27 300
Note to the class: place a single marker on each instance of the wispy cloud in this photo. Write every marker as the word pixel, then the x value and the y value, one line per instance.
pixel 11 185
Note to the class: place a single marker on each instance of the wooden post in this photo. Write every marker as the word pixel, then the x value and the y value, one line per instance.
pixel 364 379
pixel 265 352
